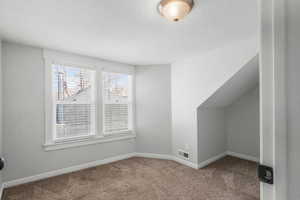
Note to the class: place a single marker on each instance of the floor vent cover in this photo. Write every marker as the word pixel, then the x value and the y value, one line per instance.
pixel 183 154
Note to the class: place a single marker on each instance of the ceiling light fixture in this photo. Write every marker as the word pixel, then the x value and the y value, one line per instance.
pixel 175 10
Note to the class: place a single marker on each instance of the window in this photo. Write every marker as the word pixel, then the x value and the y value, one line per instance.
pixel 86 103
pixel 73 91
pixel 117 102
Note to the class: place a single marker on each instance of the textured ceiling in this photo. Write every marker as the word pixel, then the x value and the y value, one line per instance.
pixel 129 31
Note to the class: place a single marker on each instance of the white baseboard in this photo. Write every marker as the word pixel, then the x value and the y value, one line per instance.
pixel 93 164
pixel 185 162
pixel 211 160
pixel 66 170
pixel 153 155
pixel 1 191
pixel 242 156
pixel 117 158
pixel 168 157
pixel 121 157
pixel 229 153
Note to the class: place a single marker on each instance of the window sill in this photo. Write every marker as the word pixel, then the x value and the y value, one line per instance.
pixel 88 141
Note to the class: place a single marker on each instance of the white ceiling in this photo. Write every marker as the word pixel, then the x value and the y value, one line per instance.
pixel 129 31
pixel 246 79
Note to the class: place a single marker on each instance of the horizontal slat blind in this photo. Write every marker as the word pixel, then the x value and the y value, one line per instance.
pixel 116 117
pixel 116 96
pixel 73 91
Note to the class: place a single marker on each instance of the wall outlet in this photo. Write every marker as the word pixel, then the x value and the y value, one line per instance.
pixel 183 154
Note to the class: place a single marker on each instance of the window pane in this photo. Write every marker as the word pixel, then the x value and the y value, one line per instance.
pixel 116 92
pixel 116 117
pixel 71 84
pixel 73 91
pixel 73 120
pixel 116 86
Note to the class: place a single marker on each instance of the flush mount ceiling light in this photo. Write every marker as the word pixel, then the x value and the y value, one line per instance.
pixel 175 10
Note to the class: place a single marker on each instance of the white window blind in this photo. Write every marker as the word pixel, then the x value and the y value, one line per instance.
pixel 74 96
pixel 116 102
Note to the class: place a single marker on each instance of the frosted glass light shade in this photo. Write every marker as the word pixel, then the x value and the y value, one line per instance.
pixel 175 10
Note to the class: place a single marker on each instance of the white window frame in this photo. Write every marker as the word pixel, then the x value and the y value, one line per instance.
pixel 50 58
pixel 54 104
pixel 130 103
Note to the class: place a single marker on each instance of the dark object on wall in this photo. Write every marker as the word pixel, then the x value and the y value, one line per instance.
pixel 265 174
pixel 1 163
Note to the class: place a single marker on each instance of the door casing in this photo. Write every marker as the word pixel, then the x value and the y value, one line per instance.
pixel 273 120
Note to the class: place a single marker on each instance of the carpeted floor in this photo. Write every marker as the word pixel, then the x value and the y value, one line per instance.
pixel 147 179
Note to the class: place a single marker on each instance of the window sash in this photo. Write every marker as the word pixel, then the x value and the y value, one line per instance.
pixel 118 101
pixel 75 102
pixel 107 130
pixel 91 125
pixel 51 142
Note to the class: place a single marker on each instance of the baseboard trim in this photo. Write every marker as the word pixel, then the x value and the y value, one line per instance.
pixel 153 155
pixel 168 157
pixel 242 156
pixel 1 190
pixel 122 157
pixel 66 170
pixel 185 162
pixel 229 153
pixel 93 164
pixel 211 160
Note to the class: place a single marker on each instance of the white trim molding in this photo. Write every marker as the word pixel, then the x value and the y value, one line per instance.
pixel 118 158
pixel 153 155
pixel 273 119
pixel 1 190
pixel 227 153
pixel 211 160
pixel 66 170
pixel 186 162
pixel 168 157
pixel 242 156
pixel 75 59
pixel 88 141
pixel 98 67
pixel 94 164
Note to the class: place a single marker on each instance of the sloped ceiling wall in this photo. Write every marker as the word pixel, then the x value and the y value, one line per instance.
pixel 212 124
pixel 241 82
pixel 197 78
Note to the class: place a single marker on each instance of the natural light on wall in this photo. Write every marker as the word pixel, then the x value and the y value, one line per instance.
pixel 175 10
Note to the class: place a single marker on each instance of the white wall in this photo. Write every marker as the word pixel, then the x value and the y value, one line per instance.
pixel 24 127
pixel 197 78
pixel 153 109
pixel 293 98
pixel 242 124
pixel 233 127
pixel 212 135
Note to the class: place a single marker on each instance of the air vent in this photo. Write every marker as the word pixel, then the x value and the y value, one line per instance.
pixel 183 154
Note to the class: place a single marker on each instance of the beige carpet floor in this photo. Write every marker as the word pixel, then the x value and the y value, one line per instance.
pixel 147 179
